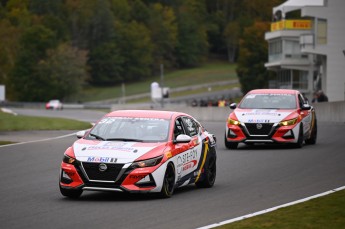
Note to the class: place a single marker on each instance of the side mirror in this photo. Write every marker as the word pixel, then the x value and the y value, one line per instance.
pixel 80 134
pixel 233 105
pixel 305 107
pixel 182 138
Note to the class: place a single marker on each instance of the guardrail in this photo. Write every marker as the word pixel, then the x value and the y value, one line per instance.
pixel 326 112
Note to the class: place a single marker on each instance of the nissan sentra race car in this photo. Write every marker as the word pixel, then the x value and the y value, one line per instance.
pixel 271 116
pixel 140 151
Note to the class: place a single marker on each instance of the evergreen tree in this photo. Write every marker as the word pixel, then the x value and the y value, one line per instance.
pixel 253 56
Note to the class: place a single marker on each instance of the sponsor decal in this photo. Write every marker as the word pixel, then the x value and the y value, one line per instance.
pixel 119 146
pixel 258 120
pixel 189 165
pixel 189 125
pixel 102 159
pixel 136 177
pixel 269 113
pixel 186 161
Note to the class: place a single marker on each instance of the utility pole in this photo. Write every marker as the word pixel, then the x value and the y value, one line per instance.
pixel 162 85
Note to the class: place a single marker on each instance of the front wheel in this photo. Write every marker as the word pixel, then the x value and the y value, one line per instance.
pixel 168 182
pixel 300 139
pixel 230 145
pixel 210 175
pixel 71 193
pixel 313 135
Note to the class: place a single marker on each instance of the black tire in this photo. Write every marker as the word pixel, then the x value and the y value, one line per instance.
pixel 300 140
pixel 313 135
pixel 168 182
pixel 71 193
pixel 209 175
pixel 230 145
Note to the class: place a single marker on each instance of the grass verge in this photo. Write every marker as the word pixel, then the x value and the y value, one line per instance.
pixel 208 73
pixel 323 212
pixel 9 122
pixel 5 142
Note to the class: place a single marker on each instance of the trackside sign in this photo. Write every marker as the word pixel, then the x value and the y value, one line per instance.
pixel 2 93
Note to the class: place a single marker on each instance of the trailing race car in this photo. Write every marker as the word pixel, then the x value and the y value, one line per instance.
pixel 271 116
pixel 54 105
pixel 140 151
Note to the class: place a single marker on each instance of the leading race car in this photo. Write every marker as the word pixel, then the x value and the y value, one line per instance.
pixel 140 151
pixel 271 116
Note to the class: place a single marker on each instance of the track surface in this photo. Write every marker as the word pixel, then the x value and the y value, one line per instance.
pixel 249 179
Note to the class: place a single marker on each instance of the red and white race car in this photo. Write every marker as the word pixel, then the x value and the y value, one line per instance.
pixel 140 151
pixel 271 116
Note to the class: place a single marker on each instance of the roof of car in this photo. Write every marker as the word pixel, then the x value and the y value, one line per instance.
pixel 273 91
pixel 144 114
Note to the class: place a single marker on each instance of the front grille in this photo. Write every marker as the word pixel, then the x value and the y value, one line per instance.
pixel 254 130
pixel 110 174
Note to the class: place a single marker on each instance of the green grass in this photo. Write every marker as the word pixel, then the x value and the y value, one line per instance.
pixel 185 93
pixel 5 142
pixel 324 212
pixel 211 72
pixel 9 122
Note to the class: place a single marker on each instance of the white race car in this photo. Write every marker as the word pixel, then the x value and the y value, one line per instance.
pixel 140 151
pixel 271 116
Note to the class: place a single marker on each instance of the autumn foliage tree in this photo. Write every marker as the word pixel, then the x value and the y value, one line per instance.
pixel 108 42
pixel 252 58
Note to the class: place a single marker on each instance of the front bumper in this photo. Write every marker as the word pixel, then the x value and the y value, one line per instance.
pixel 117 177
pixel 262 133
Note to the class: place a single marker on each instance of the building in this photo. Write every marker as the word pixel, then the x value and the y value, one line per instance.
pixel 307 47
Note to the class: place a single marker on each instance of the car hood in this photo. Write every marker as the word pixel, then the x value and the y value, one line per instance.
pixel 112 151
pixel 261 115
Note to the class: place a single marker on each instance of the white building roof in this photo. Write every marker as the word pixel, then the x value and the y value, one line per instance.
pixel 292 5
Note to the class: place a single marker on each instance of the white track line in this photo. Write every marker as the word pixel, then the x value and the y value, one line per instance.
pixel 271 209
pixel 41 140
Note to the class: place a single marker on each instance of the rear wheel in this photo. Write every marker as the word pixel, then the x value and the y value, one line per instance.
pixel 168 182
pixel 71 193
pixel 210 175
pixel 230 145
pixel 313 135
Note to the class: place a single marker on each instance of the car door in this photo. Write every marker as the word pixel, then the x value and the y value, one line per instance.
pixel 306 115
pixel 189 161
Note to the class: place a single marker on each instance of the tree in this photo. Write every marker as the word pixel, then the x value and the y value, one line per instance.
pixel 163 27
pixel 192 43
pixel 253 55
pixel 106 64
pixel 79 20
pixel 24 80
pixel 62 73
pixel 232 35
pixel 134 42
pixel 9 36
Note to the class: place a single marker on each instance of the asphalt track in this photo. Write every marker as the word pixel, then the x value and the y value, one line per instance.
pixel 249 179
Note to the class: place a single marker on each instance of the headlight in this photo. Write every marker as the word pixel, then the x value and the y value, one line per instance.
pixel 147 163
pixel 288 122
pixel 233 122
pixel 67 159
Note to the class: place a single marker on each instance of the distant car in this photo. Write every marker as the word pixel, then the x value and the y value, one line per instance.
pixel 54 105
pixel 271 116
pixel 140 151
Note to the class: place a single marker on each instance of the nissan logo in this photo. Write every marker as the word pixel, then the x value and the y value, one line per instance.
pixel 102 167
pixel 258 126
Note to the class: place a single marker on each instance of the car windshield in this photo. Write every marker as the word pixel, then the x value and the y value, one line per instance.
pixel 269 101
pixel 131 129
pixel 54 101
